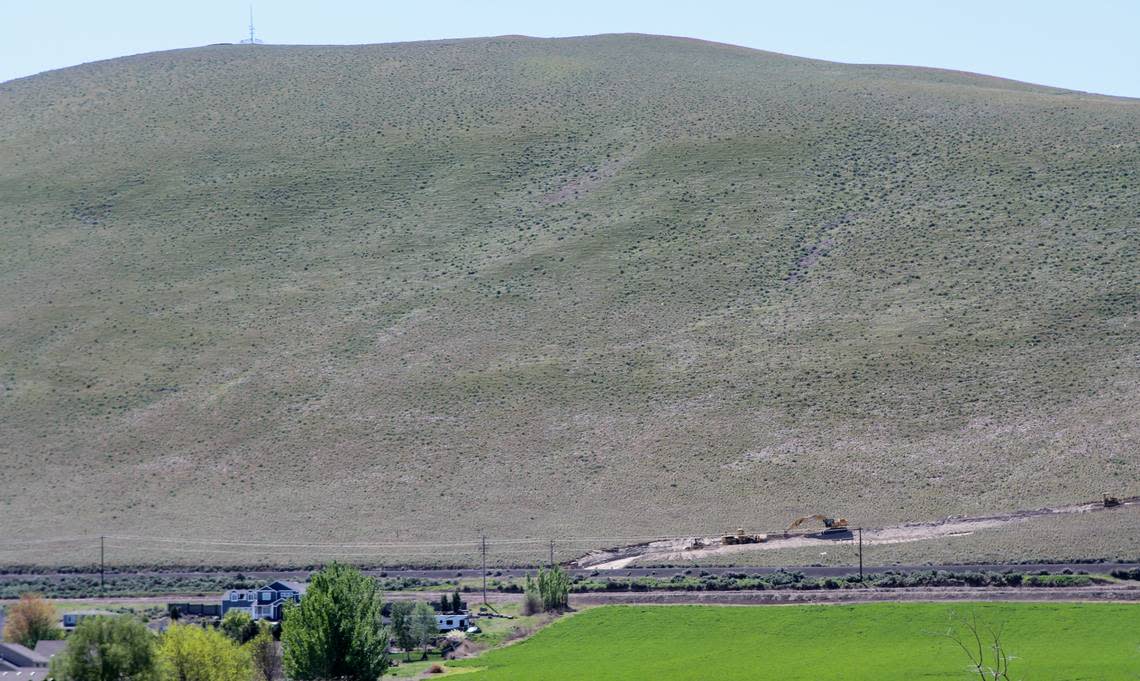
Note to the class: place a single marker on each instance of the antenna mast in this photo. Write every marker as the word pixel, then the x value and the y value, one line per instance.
pixel 252 39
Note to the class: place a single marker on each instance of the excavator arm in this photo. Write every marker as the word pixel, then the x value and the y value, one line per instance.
pixel 800 521
pixel 829 523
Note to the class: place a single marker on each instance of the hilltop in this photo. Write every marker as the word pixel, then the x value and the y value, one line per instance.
pixel 594 288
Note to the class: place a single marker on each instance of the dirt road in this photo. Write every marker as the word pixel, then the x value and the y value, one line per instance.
pixel 696 548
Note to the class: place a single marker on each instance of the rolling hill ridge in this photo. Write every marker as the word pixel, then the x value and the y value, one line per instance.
pixel 593 288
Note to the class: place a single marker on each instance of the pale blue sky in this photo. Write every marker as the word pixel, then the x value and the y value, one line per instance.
pixel 1089 45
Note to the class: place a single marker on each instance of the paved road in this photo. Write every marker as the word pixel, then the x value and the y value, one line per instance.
pixel 824 571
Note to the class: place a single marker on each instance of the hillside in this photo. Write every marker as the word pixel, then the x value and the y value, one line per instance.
pixel 578 288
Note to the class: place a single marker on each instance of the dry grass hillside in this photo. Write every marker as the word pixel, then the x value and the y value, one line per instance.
pixel 577 288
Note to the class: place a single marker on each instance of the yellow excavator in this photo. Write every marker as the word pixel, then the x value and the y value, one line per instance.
pixel 829 524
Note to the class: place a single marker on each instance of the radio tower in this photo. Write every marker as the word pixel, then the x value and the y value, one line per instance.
pixel 252 40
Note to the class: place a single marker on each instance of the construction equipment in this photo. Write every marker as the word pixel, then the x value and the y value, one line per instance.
pixel 1110 501
pixel 742 538
pixel 829 524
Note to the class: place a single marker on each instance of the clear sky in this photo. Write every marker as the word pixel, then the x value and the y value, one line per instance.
pixel 1089 45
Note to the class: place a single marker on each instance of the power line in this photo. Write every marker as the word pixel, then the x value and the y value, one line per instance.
pixel 29 542
pixel 349 545
pixel 394 545
pixel 537 551
pixel 512 546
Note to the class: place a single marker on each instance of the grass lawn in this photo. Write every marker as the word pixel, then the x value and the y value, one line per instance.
pixel 494 632
pixel 880 642
pixel 418 667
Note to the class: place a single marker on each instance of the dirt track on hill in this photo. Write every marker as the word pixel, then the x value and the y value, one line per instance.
pixel 695 548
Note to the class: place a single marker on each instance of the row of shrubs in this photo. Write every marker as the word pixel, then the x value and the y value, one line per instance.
pixel 120 585
pixel 87 586
pixel 798 581
pixel 141 585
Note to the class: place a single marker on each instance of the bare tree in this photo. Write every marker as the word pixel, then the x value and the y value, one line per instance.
pixel 982 644
pixel 264 654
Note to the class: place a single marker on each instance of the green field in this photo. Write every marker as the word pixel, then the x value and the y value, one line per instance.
pixel 577 289
pixel 874 642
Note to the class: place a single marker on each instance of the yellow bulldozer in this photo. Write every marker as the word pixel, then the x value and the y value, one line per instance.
pixel 742 537
pixel 830 525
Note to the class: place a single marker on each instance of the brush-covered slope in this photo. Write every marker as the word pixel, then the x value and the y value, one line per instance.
pixel 574 288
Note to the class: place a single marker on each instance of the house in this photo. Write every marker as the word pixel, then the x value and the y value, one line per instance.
pixel 71 619
pixel 18 662
pixel 50 649
pixel 266 603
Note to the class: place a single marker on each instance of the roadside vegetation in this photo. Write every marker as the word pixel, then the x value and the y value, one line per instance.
pixel 542 597
pixel 87 586
pixel 698 581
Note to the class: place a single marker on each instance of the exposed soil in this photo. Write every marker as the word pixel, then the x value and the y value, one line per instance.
pixel 463 650
pixel 575 186
pixel 694 548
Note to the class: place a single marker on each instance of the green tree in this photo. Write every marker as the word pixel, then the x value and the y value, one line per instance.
pixel 335 633
pixel 554 588
pixel 444 604
pixel 107 649
pixel 30 620
pixel 401 615
pixel 456 602
pixel 239 626
pixel 263 654
pixel 425 627
pixel 192 653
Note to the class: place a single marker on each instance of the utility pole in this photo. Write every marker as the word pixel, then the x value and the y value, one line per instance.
pixel 860 554
pixel 484 541
pixel 102 565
